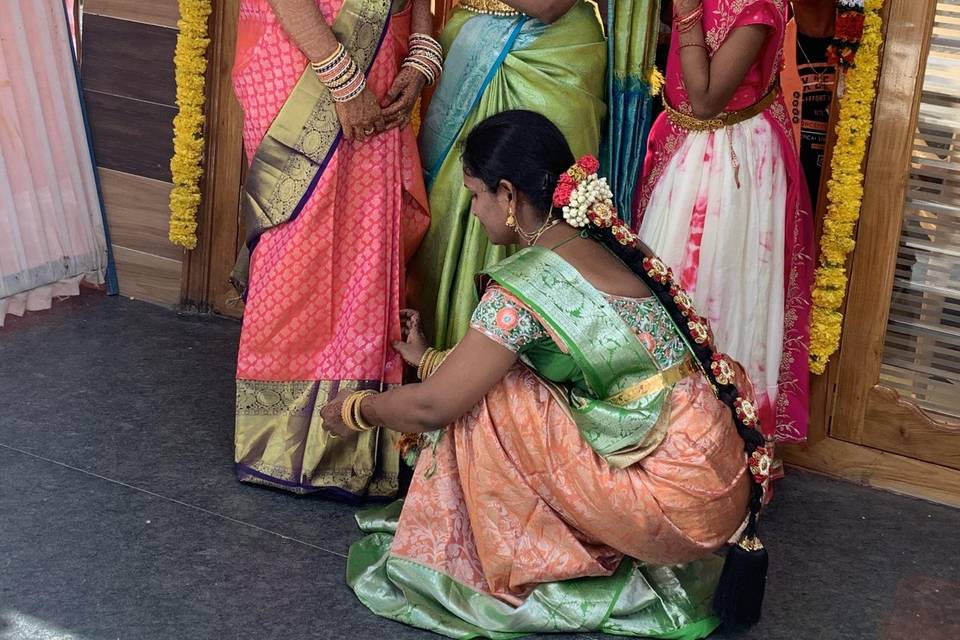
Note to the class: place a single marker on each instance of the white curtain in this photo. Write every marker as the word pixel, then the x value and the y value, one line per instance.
pixel 51 227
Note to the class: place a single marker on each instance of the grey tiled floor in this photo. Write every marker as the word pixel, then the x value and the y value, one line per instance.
pixel 120 517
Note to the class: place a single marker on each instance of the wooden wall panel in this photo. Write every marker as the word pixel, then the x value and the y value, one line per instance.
pixel 163 13
pixel 129 59
pixel 127 73
pixel 138 213
pixel 148 277
pixel 131 136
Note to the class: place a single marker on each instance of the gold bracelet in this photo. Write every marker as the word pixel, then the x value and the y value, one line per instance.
pixel 358 414
pixel 350 410
pixel 346 411
pixel 437 361
pixel 424 361
pixel 322 63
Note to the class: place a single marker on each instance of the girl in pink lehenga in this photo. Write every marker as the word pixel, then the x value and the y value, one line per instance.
pixel 723 202
pixel 336 208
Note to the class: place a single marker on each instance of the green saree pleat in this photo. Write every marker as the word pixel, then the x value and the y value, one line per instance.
pixel 560 74
pixel 637 600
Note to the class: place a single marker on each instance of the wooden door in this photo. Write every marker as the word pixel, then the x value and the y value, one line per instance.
pixel 898 374
pixel 205 284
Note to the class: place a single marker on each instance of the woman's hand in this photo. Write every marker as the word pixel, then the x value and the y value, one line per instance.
pixel 332 416
pixel 402 97
pixel 360 117
pixel 685 7
pixel 414 344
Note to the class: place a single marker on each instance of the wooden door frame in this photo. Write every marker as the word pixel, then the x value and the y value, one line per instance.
pixel 205 283
pixel 909 24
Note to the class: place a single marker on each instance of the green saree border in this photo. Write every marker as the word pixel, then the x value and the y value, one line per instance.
pixel 671 603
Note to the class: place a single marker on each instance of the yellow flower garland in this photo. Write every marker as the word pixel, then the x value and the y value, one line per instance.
pixel 191 68
pixel 845 192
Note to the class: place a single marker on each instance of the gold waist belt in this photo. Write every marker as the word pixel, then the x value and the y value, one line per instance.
pixel 653 384
pixel 489 7
pixel 691 123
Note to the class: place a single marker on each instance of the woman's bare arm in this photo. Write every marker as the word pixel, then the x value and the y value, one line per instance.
pixel 304 23
pixel 421 20
pixel 468 373
pixel 306 26
pixel 711 81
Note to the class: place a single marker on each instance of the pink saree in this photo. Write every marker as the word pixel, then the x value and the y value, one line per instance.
pixel 325 288
pixel 729 212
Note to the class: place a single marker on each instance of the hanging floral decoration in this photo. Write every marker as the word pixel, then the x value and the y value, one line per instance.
pixel 847 34
pixel 845 188
pixel 190 61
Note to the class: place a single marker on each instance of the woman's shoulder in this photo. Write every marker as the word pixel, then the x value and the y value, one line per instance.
pixel 603 271
pixel 506 320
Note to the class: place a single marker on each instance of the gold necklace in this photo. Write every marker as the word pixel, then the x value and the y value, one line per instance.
pixel 531 238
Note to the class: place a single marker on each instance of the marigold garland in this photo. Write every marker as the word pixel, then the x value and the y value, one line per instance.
pixel 190 61
pixel 845 191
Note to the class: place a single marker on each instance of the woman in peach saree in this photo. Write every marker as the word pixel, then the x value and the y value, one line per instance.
pixel 583 451
pixel 334 203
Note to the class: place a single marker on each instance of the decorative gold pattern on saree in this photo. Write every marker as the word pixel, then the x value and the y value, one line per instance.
pixel 280 441
pixel 788 383
pixel 262 398
pixel 664 156
pixel 654 384
pixel 489 7
pixel 779 113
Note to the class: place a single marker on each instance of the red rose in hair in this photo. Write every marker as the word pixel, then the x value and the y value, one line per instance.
pixel 589 164
pixel 561 195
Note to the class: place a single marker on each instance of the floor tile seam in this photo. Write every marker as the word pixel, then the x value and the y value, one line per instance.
pixel 172 500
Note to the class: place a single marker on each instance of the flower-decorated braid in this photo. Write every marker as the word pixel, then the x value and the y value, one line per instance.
pixel 740 594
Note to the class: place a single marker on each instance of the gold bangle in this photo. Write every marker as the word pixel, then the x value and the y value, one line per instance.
pixel 438 359
pixel 330 58
pixel 429 364
pixel 424 361
pixel 346 412
pixel 361 423
pixel 350 410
